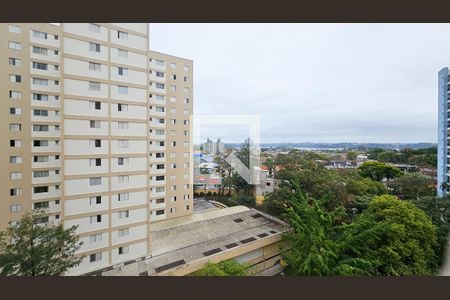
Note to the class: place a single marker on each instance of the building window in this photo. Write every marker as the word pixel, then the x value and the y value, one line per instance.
pixel 40 66
pixel 15 45
pixel 95 181
pixel 14 61
pixel 94 47
pixel 123 143
pixel 122 53
pixel 94 200
pixel 14 28
pixel 160 97
pixel 15 208
pixel 123 232
pixel 160 212
pixel 94 123
pixel 38 174
pixel 121 89
pixel 15 111
pixel 40 97
pixel 94 86
pixel 41 205
pixel 39 34
pixel 123 214
pixel 40 143
pixel 95 162
pixel 15 143
pixel 123 179
pixel 186 90
pixel 95 257
pixel 173 65
pixel 40 112
pixel 122 107
pixel 186 68
pixel 40 158
pixel 95 105
pixel 15 95
pixel 15 127
pixel 122 35
pixel 40 50
pixel 123 196
pixel 96 219
pixel 159 62
pixel 95 143
pixel 15 159
pixel 173 210
pixel 94 67
pixel 95 238
pixel 159 74
pixel 40 189
pixel 174 77
pixel 123 161
pixel 122 125
pixel 15 192
pixel 124 250
pixel 40 81
pixel 122 71
pixel 186 79
pixel 15 175
pixel 94 27
pixel 15 78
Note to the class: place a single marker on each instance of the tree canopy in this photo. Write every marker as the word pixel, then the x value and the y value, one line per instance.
pixel 378 171
pixel 31 249
pixel 223 268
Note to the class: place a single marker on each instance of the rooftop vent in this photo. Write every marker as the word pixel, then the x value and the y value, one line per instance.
pixel 170 265
pixel 232 245
pixel 250 239
pixel 239 220
pixel 262 235
pixel 211 252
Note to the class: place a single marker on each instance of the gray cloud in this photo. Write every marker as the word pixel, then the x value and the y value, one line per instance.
pixel 316 82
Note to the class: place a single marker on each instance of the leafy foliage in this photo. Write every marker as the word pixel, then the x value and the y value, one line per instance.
pixel 315 248
pixel 438 209
pixel 426 158
pixel 223 268
pixel 395 236
pixel 31 249
pixel 412 186
pixel 378 171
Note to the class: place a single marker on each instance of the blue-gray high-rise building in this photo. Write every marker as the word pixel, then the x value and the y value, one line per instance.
pixel 443 127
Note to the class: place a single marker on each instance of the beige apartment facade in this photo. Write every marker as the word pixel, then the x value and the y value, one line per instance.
pixel 98 132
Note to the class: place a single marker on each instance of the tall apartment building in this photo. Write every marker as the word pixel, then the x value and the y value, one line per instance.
pixel 443 130
pixel 97 130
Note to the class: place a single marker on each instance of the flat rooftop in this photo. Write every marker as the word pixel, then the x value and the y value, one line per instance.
pixel 187 239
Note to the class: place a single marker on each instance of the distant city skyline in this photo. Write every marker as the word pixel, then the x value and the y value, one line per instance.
pixel 316 82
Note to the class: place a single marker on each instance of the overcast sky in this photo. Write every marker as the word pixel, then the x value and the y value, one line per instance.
pixel 315 82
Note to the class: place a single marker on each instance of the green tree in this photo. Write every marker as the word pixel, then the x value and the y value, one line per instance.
pixel 395 237
pixel 378 171
pixel 31 249
pixel 223 268
pixel 351 155
pixel 438 209
pixel 314 246
pixel 412 186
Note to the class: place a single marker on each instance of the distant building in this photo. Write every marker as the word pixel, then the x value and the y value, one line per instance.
pixel 443 126
pixel 360 159
pixel 213 148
